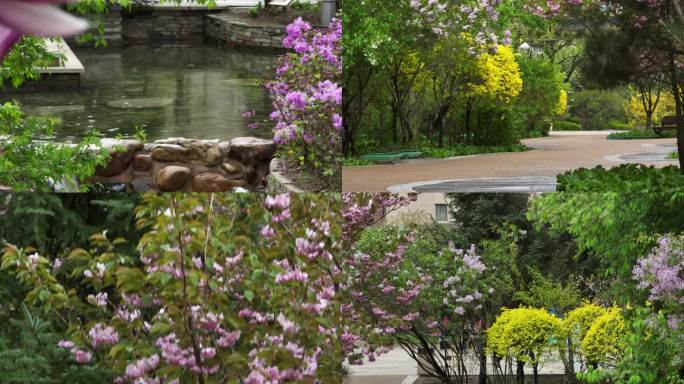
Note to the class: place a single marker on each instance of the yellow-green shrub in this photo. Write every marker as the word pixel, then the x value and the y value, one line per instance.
pixel 603 340
pixel 577 322
pixel 523 333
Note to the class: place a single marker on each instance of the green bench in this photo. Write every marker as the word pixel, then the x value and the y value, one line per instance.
pixel 392 156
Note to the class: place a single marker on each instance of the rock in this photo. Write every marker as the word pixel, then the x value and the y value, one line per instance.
pixel 248 149
pixel 171 178
pixel 262 172
pixel 142 163
pixel 190 151
pixel 140 103
pixel 233 168
pixel 214 182
pixel 119 161
pixel 144 184
pixel 213 155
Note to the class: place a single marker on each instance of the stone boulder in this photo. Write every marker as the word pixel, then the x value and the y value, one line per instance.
pixel 201 152
pixel 142 163
pixel 171 178
pixel 250 149
pixel 233 168
pixel 214 182
pixel 119 161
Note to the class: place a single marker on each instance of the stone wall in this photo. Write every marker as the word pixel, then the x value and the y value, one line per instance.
pixel 231 31
pixel 186 165
pixel 56 82
pixel 143 26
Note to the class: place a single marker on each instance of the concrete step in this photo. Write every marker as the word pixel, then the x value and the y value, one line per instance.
pixel 280 3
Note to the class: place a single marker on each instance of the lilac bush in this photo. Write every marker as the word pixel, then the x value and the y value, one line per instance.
pixel 662 271
pixel 307 97
pixel 208 299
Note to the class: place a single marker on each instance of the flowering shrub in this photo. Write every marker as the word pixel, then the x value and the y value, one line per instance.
pixel 227 288
pixel 307 99
pixel 662 271
pixel 403 288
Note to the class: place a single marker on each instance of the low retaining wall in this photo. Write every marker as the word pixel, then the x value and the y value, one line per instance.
pixel 232 31
pixel 144 26
pixel 187 165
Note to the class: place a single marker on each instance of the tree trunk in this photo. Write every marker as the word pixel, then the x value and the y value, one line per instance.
pixel 535 369
pixel 468 113
pixel 439 123
pixel 678 108
pixel 649 120
pixel 520 372
pixel 394 123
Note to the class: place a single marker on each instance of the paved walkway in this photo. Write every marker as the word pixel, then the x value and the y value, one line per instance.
pixel 394 367
pixel 397 367
pixel 517 172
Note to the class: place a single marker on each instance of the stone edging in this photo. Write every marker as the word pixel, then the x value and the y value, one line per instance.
pixel 278 182
pixel 187 165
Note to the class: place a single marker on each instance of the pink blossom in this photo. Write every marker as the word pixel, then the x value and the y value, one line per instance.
pixel 82 356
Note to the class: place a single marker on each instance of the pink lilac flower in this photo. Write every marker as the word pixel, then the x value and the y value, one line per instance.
pixel 36 17
pixel 66 344
pixel 287 325
pixel 101 335
pixel 337 121
pixel 82 356
pixel 297 100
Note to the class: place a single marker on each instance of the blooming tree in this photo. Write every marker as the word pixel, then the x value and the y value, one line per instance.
pixel 306 98
pixel 662 274
pixel 400 292
pixel 226 289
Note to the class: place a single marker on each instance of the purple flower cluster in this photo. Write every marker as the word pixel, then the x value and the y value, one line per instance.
pixel 307 98
pixel 662 271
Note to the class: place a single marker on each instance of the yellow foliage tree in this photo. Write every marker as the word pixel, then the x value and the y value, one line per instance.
pixel 562 103
pixel 577 322
pixel 603 340
pixel 498 76
pixel 523 333
pixel 638 106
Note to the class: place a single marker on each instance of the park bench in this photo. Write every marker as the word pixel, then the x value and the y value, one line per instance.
pixel 668 123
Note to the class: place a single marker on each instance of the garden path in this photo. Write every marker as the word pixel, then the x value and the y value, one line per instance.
pixel 529 171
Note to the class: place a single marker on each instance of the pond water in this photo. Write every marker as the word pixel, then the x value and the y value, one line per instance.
pixel 194 92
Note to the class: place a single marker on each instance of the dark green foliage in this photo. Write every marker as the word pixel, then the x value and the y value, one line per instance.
pixel 28 163
pixel 640 134
pixel 484 217
pixel 464 150
pixel 479 215
pixel 618 126
pixel 597 108
pixel 24 61
pixel 53 223
pixel 615 216
pixel 562 125
pixel 29 354
pixel 626 178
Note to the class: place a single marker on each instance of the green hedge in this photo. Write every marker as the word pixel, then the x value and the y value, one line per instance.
pixel 566 125
pixel 618 126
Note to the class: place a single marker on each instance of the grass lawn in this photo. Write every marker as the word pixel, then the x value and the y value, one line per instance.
pixel 635 134
pixel 441 153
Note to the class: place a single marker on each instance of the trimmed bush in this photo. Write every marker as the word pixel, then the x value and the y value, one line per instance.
pixel 562 125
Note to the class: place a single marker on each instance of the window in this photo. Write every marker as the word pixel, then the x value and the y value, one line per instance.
pixel 441 212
